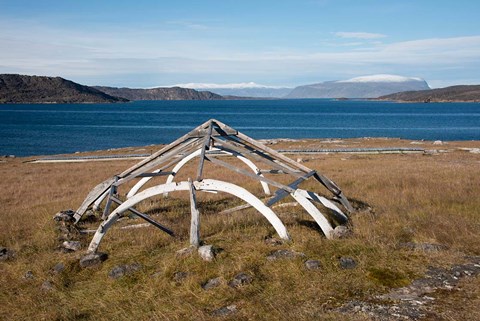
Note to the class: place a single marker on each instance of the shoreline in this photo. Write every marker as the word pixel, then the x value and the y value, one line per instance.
pixel 284 145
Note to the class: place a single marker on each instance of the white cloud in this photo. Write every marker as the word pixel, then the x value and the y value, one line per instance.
pixel 242 85
pixel 175 56
pixel 359 35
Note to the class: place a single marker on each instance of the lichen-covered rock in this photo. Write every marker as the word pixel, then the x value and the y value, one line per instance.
pixel 347 262
pixel 58 268
pixel 212 283
pixel 179 276
pixel 341 232
pixel 28 275
pixel 240 279
pixel 284 254
pixel 206 252
pixel 122 270
pixel 313 264
pixel 224 311
pixel 72 245
pixel 273 241
pixel 6 254
pixel 93 259
pixel 46 286
pixel 64 216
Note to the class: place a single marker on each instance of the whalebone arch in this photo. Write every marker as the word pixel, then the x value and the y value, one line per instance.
pixel 216 143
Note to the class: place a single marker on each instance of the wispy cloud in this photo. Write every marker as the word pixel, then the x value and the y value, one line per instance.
pixel 188 24
pixel 359 35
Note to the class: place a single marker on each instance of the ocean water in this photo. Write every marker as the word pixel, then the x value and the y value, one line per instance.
pixel 39 129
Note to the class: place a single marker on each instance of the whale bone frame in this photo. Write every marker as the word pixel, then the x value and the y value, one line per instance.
pixel 209 142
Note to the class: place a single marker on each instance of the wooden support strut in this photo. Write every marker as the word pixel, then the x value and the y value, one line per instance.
pixel 243 150
pixel 251 175
pixel 113 191
pixel 145 217
pixel 282 193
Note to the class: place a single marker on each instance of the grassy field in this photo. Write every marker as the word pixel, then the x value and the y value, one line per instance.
pixel 431 198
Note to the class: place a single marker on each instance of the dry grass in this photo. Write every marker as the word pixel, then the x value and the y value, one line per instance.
pixel 420 198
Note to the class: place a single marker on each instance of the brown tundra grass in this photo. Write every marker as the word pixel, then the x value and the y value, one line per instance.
pixel 414 198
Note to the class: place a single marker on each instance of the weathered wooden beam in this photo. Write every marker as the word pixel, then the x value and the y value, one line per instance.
pixel 146 218
pixel 169 157
pixel 205 146
pixel 273 153
pixel 282 193
pixel 164 150
pixel 215 132
pixel 153 174
pixel 94 194
pixel 249 174
pixel 195 217
pixel 248 151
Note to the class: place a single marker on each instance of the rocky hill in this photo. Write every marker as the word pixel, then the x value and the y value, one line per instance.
pixel 359 87
pixel 464 93
pixel 160 93
pixel 38 89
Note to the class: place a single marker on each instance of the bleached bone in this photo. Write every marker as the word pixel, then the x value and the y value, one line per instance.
pixel 188 158
pixel 314 212
pixel 205 184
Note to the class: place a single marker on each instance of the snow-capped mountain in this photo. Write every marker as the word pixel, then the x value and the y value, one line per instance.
pixel 246 89
pixel 360 87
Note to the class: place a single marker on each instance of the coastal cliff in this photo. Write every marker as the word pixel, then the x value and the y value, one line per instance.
pixel 463 93
pixel 39 89
pixel 160 93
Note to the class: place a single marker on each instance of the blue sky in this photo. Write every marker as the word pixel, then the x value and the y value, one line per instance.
pixel 152 43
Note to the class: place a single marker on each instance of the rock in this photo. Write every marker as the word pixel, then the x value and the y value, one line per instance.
pixel 58 268
pixel 412 302
pixel 438 142
pixel 273 241
pixel 29 275
pixel 122 270
pixel 341 232
pixel 206 252
pixel 347 262
pixel 46 286
pixel 186 251
pixel 240 279
pixel 427 247
pixel 212 283
pixel 179 276
pixel 284 254
pixel 313 264
pixel 72 245
pixel 226 310
pixel 6 254
pixel 64 216
pixel 93 259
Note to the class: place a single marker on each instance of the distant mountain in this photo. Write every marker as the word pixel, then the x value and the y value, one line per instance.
pixel 38 89
pixel 462 93
pixel 360 87
pixel 249 89
pixel 160 93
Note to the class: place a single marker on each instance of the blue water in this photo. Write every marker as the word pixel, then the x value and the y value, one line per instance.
pixel 34 129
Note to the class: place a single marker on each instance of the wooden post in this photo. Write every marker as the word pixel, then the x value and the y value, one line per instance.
pixel 195 219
